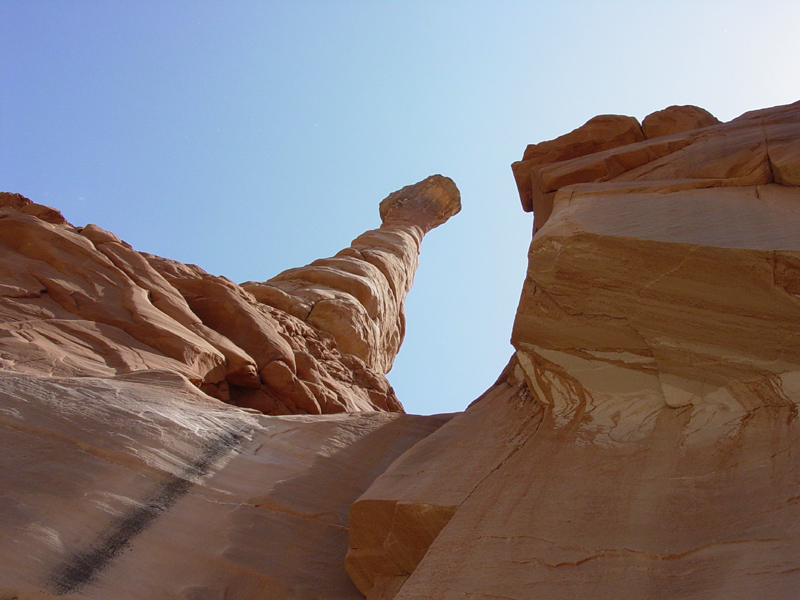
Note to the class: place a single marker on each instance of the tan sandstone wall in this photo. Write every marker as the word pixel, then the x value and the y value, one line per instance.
pixel 643 441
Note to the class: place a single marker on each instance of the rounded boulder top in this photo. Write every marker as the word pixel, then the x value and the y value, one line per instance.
pixel 428 203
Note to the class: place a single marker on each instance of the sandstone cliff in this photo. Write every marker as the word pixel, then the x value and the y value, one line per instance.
pixel 643 441
pixel 136 461
pixel 141 486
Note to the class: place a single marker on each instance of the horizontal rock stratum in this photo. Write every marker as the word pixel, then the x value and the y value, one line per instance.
pixel 642 442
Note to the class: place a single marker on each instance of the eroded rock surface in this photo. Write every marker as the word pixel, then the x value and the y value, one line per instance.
pixel 141 486
pixel 675 278
pixel 676 119
pixel 314 340
pixel 126 476
pixel 754 149
pixel 644 440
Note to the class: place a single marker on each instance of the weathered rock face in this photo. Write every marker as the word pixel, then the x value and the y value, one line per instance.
pixel 80 302
pixel 357 296
pixel 600 133
pixel 676 119
pixel 676 275
pixel 643 440
pixel 394 522
pixel 123 479
pixel 141 486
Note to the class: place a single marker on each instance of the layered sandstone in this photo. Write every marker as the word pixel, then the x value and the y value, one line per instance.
pixel 357 296
pixel 643 440
pixel 680 268
pixel 319 339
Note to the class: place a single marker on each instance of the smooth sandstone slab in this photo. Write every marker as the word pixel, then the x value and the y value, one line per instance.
pixel 615 496
pixel 699 507
pixel 723 319
pixel 398 517
pixel 140 486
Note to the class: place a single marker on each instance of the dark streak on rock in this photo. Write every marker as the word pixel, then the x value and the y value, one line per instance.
pixel 83 567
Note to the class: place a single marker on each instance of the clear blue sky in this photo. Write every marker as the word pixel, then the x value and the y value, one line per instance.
pixel 249 137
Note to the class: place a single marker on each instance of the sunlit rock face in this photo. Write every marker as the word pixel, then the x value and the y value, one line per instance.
pixel 141 486
pixel 314 340
pixel 674 279
pixel 357 296
pixel 136 457
pixel 643 441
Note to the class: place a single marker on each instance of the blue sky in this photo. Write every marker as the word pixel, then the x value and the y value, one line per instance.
pixel 250 137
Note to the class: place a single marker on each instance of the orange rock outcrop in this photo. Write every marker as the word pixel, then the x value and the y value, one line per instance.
pixel 140 486
pixel 313 340
pixel 643 440
pixel 124 473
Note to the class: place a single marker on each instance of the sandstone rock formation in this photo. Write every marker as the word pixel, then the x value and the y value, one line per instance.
pixel 676 119
pixel 123 479
pixel 357 296
pixel 690 259
pixel 643 440
pixel 599 133
pixel 81 302
pixel 141 486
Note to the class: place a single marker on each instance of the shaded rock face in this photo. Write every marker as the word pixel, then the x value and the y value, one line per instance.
pixel 319 339
pixel 643 440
